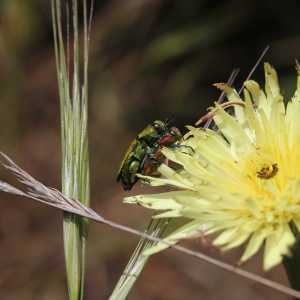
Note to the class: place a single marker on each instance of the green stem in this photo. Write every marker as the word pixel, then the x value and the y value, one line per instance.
pixel 73 94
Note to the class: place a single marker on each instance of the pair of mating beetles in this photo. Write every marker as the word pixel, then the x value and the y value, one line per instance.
pixel 144 153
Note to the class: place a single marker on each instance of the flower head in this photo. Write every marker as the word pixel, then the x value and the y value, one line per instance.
pixel 242 181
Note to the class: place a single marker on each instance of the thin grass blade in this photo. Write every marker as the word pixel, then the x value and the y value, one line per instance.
pixel 73 96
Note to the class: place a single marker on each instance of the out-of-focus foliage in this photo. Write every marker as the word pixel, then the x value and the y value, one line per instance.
pixel 149 59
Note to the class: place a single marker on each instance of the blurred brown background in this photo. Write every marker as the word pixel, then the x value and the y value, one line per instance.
pixel 150 59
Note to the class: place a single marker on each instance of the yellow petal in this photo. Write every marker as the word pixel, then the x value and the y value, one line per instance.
pixel 276 246
pixel 225 237
pixel 233 131
pixel 258 96
pixel 254 244
pixel 154 202
pixel 271 86
pixel 239 239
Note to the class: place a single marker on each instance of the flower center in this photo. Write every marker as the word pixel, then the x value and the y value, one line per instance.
pixel 267 171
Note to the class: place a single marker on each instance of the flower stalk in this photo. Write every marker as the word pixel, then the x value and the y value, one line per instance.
pixel 138 260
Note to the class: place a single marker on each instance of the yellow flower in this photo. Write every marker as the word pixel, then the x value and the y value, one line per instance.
pixel 241 181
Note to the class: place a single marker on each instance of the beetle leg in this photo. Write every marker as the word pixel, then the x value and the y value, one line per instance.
pixel 150 162
pixel 145 158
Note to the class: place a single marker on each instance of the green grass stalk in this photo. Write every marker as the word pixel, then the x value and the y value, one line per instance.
pixel 73 95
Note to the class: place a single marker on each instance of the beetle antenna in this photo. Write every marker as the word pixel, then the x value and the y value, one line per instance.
pixel 170 120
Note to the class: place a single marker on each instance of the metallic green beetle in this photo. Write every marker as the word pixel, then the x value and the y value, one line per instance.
pixel 144 155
